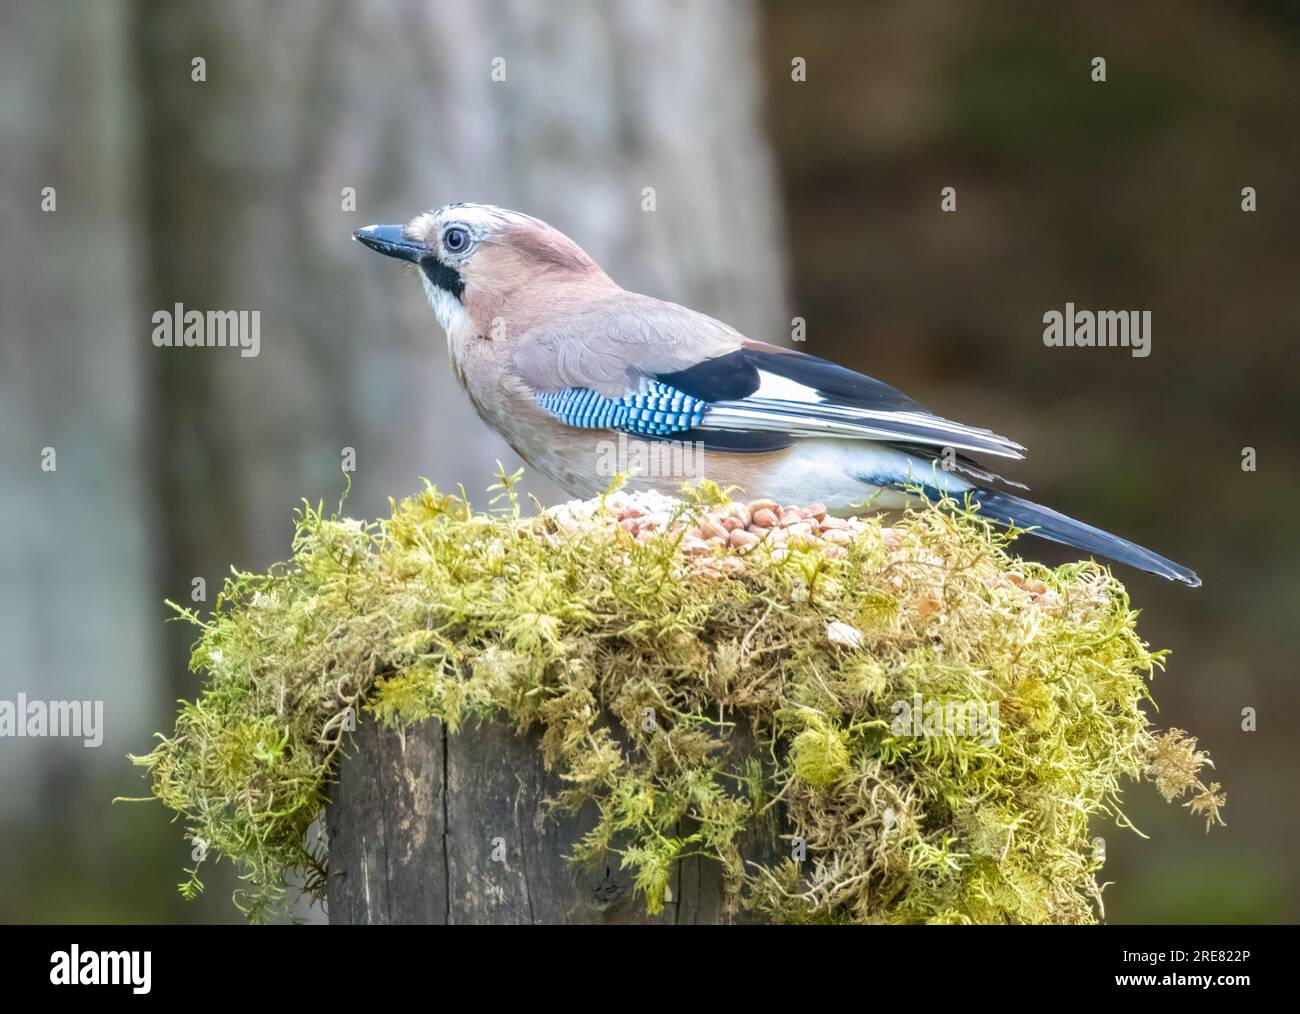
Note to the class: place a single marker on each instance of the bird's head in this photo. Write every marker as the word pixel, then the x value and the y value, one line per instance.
pixel 481 263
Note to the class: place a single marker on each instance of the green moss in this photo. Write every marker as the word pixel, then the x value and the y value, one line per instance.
pixel 818 754
pixel 636 665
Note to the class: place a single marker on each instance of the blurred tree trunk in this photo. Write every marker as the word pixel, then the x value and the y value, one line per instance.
pixel 243 184
pixel 78 613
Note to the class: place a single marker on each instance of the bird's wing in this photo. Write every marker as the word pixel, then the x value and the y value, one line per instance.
pixel 807 396
pixel 609 345
pixel 662 370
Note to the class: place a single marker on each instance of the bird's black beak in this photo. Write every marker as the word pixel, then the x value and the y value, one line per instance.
pixel 388 240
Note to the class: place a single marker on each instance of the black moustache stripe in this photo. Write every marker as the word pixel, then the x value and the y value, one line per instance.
pixel 443 275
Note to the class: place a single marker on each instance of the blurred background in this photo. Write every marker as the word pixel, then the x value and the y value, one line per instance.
pixel 773 198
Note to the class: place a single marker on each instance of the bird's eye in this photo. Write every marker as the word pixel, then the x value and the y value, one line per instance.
pixel 456 240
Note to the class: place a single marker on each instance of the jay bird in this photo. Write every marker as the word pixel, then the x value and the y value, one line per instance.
pixel 555 356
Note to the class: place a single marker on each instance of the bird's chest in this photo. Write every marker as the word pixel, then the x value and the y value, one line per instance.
pixel 569 457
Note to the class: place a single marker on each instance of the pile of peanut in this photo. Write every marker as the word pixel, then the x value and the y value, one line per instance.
pixel 740 527
pixel 743 526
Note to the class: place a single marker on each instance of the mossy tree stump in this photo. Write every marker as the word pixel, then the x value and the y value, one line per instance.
pixel 936 722
pixel 426 827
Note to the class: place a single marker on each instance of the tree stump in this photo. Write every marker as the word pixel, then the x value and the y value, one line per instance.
pixel 427 827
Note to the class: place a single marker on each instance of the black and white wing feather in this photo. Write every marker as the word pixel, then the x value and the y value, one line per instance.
pixel 765 388
pixel 750 395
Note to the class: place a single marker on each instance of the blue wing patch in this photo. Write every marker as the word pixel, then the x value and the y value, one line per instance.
pixel 657 410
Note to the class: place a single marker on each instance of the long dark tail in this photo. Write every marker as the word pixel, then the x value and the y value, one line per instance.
pixel 1003 508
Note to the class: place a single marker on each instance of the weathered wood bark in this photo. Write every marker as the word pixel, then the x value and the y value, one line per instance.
pixel 431 828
